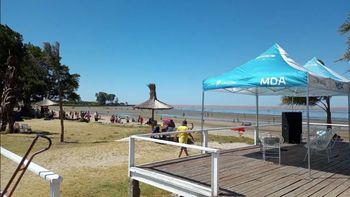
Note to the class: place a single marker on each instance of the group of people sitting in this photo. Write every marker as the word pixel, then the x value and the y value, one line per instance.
pixel 121 120
pixel 182 136
pixel 167 126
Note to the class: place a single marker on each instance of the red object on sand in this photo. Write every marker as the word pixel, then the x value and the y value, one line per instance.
pixel 239 130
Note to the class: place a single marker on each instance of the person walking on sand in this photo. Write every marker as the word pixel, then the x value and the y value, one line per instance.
pixel 183 137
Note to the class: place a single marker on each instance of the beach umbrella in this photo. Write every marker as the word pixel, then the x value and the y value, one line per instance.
pixel 153 103
pixel 166 121
pixel 46 102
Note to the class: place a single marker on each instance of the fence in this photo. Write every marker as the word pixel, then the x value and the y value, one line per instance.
pixel 54 179
pixel 173 184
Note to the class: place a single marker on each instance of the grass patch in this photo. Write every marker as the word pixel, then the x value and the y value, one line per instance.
pixel 224 139
pixel 90 161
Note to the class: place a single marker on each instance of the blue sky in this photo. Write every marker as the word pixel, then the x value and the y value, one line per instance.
pixel 120 46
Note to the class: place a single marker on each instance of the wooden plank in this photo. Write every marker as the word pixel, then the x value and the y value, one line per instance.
pixel 263 180
pixel 317 178
pixel 333 182
pixel 304 180
pixel 346 192
pixel 275 176
pixel 244 172
pixel 340 189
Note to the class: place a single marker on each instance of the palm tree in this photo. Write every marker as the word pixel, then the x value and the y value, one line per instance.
pixel 345 29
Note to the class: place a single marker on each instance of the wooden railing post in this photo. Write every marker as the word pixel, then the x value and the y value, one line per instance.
pixel 134 187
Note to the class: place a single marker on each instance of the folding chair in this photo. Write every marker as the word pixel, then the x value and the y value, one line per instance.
pixel 323 141
pixel 271 146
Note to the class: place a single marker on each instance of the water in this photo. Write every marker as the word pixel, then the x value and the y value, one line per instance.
pixel 340 114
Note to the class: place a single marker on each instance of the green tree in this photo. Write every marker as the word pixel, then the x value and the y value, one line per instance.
pixel 62 83
pixel 11 61
pixel 110 97
pixel 35 76
pixel 10 43
pixel 345 29
pixel 322 102
pixel 101 98
pixel 116 100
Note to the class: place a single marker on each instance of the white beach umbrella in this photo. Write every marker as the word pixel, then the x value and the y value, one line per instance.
pixel 46 102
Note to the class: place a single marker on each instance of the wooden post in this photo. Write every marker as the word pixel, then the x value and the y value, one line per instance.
pixel 134 188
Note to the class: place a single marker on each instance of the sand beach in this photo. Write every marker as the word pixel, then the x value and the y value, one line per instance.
pixel 93 159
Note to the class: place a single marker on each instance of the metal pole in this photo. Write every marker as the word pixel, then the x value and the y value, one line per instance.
pixel 308 131
pixel 131 162
pixel 214 174
pixel 349 116
pixel 55 188
pixel 202 120
pixel 204 133
pixel 256 137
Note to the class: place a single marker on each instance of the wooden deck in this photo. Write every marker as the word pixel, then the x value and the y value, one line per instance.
pixel 242 172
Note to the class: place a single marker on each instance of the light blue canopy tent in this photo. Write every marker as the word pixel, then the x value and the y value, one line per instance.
pixel 317 67
pixel 272 73
pixel 334 80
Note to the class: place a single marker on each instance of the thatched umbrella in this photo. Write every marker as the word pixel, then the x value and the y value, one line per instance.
pixel 45 102
pixel 153 103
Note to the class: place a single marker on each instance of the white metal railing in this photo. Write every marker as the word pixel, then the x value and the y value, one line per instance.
pixel 205 132
pixel 150 178
pixel 326 124
pixel 54 179
pixel 214 158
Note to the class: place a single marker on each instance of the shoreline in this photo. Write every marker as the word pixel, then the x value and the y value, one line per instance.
pixel 186 114
pixel 211 119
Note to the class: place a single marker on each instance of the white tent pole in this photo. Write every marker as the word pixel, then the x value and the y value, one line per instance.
pixel 349 116
pixel 204 133
pixel 202 120
pixel 308 131
pixel 256 137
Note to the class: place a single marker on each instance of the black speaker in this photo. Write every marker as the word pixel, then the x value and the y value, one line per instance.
pixel 292 127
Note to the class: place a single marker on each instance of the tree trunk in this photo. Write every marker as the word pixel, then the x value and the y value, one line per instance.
pixel 3 120
pixel 62 116
pixel 329 113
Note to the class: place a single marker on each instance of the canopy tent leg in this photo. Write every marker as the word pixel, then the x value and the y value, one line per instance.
pixel 308 132
pixel 204 133
pixel 349 116
pixel 256 137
